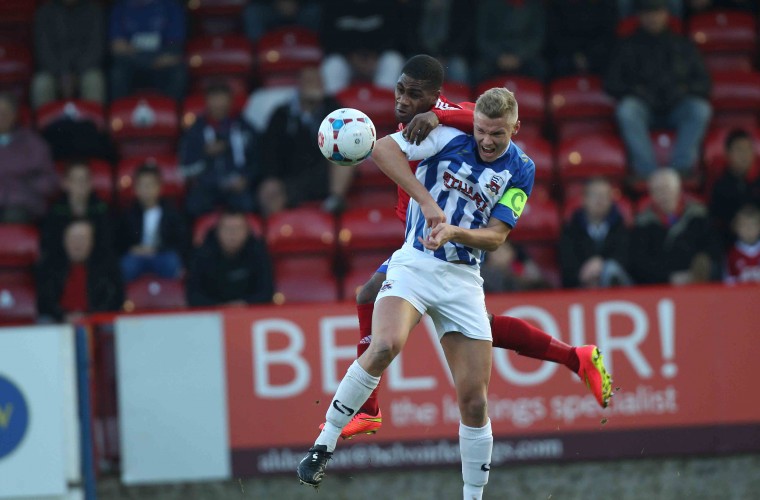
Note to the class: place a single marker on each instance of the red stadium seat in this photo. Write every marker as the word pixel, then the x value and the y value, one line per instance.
pixel 546 257
pixel 377 103
pixel 75 110
pixel 579 106
pixel 724 31
pixel 663 142
pixel 373 198
pixel 282 53
pixel 10 277
pixel 144 124
pixel 19 245
pixel 368 175
pixel 219 56
pixel 530 95
pixel 627 26
pixel 18 303
pixel 304 279
pixel 154 293
pixel 15 68
pixel 540 151
pixel 206 223
pixel 539 221
pixel 173 183
pixel 301 230
pixel 588 156
pixel 457 92
pixel 370 229
pixel 101 174
pixel 362 267
pixel 215 17
pixel 736 98
pixel 16 20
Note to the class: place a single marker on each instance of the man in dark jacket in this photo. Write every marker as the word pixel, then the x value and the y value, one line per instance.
pixel 81 281
pixel 217 156
pixel 673 240
pixel 659 80
pixel 593 247
pixel 69 41
pixel 152 235
pixel 232 267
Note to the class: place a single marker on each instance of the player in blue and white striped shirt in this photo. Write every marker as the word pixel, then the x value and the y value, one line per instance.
pixel 467 195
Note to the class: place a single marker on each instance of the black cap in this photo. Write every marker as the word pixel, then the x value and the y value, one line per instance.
pixel 647 5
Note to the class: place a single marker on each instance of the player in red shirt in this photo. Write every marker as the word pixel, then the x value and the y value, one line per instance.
pixel 420 108
pixel 743 262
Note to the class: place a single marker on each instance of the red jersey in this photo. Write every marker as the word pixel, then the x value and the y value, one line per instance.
pixel 453 115
pixel 743 265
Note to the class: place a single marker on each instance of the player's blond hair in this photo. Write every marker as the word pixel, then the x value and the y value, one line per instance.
pixel 497 103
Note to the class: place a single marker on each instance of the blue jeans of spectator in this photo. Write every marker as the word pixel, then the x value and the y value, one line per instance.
pixel 129 72
pixel 205 197
pixel 164 264
pixel 689 117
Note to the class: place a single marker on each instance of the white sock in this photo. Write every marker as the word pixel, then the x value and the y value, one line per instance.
pixel 352 392
pixel 475 445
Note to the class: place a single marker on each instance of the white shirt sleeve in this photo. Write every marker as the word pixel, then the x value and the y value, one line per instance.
pixel 433 143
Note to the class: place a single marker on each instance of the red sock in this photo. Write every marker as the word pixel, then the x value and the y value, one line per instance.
pixel 365 335
pixel 527 340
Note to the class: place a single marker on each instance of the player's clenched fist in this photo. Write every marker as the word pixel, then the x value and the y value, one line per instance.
pixel 439 236
pixel 420 126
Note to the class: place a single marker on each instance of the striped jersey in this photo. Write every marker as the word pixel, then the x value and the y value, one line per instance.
pixel 468 190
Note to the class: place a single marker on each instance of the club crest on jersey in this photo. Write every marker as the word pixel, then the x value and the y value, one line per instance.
pixel 495 185
pixel 387 285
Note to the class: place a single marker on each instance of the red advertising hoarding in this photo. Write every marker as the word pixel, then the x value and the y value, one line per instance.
pixel 684 362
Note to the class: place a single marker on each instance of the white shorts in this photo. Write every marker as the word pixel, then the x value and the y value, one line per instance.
pixel 451 294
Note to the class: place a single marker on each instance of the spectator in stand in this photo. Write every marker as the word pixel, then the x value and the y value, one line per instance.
pixel 26 170
pixel 217 156
pixel 743 263
pixel 510 37
pixel 261 16
pixel 359 37
pixel 444 30
pixel 69 37
pixel 510 269
pixel 147 42
pixel 80 281
pixel 735 187
pixel 593 246
pixel 660 80
pixel 673 240
pixel 580 35
pixel 295 170
pixel 627 8
pixel 77 201
pixel 698 6
pixel 232 267
pixel 153 235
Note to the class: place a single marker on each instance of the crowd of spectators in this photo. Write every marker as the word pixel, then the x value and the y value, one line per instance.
pixel 90 248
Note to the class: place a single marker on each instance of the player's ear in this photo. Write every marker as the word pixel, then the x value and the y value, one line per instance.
pixel 516 128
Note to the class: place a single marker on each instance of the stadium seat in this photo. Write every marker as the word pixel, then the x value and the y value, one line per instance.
pixel 457 92
pixel 363 229
pixel 368 175
pixel 301 230
pixel 171 176
pixel 376 102
pixel 588 156
pixel 154 293
pixel 18 303
pixel 304 279
pixel 361 267
pixel 16 20
pixel 580 106
pixel 539 221
pixel 19 245
pixel 15 68
pixel 216 17
pixel 263 102
pixel 101 173
pixel 627 26
pixel 219 56
pixel 194 106
pixel 546 257
pixel 736 98
pixel 282 53
pixel 540 151
pixel 206 222
pixel 144 124
pixel 373 197
pixel 663 142
pixel 530 94
pixel 75 110
pixel 725 34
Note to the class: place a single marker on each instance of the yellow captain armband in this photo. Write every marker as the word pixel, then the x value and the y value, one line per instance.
pixel 514 199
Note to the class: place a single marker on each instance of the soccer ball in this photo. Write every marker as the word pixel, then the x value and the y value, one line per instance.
pixel 346 136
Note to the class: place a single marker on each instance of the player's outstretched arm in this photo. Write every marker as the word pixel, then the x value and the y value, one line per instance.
pixel 393 163
pixel 488 238
pixel 422 124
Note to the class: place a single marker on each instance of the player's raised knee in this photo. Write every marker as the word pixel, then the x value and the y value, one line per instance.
pixel 473 409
